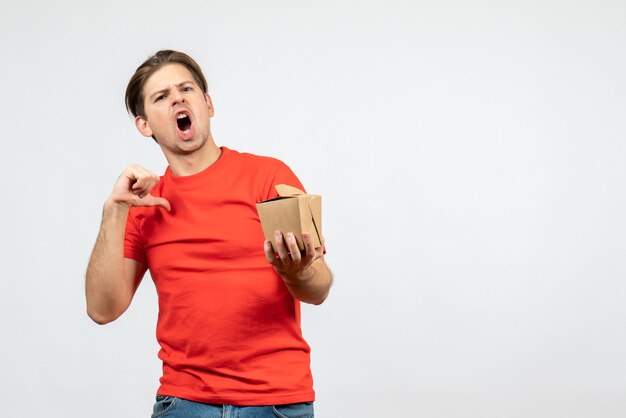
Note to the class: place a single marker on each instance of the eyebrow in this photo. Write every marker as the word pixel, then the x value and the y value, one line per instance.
pixel 165 90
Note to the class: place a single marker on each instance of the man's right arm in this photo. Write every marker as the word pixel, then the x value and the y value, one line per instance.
pixel 111 279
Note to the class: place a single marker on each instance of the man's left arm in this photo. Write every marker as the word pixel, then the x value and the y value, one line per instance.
pixel 307 276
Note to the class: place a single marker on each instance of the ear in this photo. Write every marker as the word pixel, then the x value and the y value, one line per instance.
pixel 210 104
pixel 143 126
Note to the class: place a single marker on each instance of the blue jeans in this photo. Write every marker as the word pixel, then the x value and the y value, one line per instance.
pixel 171 407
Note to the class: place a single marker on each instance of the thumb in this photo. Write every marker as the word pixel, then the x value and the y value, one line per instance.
pixel 150 200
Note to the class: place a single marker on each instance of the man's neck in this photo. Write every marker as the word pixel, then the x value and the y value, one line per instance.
pixel 195 162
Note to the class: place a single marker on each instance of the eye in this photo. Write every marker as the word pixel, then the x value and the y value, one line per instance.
pixel 159 98
pixel 187 88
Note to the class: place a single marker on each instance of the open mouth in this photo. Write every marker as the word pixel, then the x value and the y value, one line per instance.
pixel 183 121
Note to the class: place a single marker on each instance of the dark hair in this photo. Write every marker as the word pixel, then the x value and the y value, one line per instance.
pixel 134 90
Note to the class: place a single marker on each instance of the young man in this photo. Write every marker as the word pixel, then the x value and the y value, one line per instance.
pixel 229 308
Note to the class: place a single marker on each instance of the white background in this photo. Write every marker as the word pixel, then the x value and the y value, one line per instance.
pixel 471 160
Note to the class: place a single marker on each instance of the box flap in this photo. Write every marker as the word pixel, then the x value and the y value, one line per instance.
pixel 285 190
pixel 315 206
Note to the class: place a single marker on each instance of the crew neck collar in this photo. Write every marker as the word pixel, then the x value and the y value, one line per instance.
pixel 201 176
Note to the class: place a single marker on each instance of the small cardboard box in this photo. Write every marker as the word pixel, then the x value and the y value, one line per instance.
pixel 293 211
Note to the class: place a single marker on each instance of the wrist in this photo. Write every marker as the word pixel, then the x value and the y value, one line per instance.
pixel 299 278
pixel 114 208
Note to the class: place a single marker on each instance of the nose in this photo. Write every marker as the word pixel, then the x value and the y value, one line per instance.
pixel 177 97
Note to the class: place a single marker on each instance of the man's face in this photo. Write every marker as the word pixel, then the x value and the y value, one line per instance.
pixel 176 110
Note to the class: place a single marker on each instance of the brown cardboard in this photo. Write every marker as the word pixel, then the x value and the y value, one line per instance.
pixel 293 211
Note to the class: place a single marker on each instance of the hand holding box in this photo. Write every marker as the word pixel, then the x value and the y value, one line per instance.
pixel 292 211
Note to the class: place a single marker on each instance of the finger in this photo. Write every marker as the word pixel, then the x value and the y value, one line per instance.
pixel 308 243
pixel 127 179
pixel 280 246
pixel 269 252
pixel 145 181
pixel 292 245
pixel 135 172
pixel 134 184
pixel 143 190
